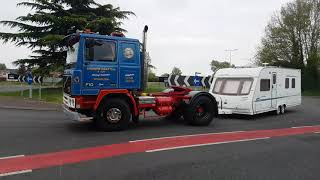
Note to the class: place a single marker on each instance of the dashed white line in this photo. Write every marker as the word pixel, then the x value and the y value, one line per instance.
pixel 188 135
pixel 15 173
pixel 207 144
pixel 8 157
pixel 302 127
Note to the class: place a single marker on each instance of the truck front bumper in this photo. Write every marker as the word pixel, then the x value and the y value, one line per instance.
pixel 75 116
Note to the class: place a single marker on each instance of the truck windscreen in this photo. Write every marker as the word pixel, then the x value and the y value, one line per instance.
pixel 72 54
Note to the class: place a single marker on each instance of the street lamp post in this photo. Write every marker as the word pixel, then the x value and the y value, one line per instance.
pixel 230 51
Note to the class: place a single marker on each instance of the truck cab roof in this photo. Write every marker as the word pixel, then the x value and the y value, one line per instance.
pixel 99 36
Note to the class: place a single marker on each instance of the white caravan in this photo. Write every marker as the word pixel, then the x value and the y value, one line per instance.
pixel 256 90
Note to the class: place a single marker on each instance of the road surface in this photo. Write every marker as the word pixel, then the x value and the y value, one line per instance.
pixel 45 145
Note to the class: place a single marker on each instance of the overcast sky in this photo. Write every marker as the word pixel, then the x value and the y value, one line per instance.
pixel 183 33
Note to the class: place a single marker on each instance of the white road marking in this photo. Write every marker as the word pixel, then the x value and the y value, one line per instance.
pixel 9 157
pixel 188 135
pixel 207 144
pixel 15 173
pixel 302 127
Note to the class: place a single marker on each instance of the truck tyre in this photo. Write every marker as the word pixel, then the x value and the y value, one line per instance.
pixel 201 111
pixel 175 115
pixel 113 115
pixel 135 119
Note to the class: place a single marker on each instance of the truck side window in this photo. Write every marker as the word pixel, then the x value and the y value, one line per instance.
pixel 287 83
pixel 293 83
pixel 265 85
pixel 98 50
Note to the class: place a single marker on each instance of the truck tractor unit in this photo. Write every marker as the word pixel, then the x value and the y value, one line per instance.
pixel 105 79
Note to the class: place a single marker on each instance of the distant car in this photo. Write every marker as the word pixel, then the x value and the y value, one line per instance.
pixel 256 90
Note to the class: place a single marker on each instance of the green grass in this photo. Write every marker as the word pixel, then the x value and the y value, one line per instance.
pixel 9 83
pixel 311 93
pixel 155 87
pixel 53 95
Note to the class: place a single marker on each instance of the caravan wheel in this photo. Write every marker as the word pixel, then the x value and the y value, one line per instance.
pixel 279 110
pixel 283 109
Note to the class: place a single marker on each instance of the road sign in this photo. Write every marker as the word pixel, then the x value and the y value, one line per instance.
pixel 197 79
pixel 29 79
pixel 188 81
pixel 13 77
pixel 38 79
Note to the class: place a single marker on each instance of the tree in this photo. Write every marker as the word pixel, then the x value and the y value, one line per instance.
pixel 3 66
pixel 22 70
pixel 165 75
pixel 152 77
pixel 216 65
pixel 176 71
pixel 150 66
pixel 44 29
pixel 292 39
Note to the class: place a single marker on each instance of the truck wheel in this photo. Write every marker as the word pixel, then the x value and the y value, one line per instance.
pixel 175 115
pixel 283 109
pixel 200 112
pixel 135 119
pixel 113 115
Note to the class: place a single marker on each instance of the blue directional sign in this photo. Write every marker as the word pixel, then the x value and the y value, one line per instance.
pixel 197 79
pixel 29 78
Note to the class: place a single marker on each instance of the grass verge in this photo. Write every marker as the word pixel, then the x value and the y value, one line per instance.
pixel 53 95
pixel 311 93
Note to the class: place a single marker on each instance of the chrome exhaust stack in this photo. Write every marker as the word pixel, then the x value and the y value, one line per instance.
pixel 145 61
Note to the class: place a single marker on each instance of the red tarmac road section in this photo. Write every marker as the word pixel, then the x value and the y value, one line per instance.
pixel 39 161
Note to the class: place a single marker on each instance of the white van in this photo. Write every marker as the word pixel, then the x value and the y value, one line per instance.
pixel 256 90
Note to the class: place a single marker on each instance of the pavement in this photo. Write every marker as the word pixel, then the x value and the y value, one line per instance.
pixel 46 145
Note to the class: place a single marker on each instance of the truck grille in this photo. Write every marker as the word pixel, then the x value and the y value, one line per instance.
pixel 67 84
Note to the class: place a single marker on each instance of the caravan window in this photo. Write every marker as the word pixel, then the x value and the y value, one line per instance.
pixel 233 86
pixel 287 83
pixel 246 86
pixel 217 85
pixel 293 83
pixel 265 85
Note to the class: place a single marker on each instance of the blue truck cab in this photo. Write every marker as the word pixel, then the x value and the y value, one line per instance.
pixel 96 62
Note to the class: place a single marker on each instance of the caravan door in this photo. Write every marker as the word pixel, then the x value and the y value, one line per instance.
pixel 274 90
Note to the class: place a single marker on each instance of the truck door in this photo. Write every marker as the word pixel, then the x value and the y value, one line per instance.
pixel 274 90
pixel 129 65
pixel 100 65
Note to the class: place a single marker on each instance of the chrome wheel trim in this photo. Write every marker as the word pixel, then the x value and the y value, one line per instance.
pixel 114 115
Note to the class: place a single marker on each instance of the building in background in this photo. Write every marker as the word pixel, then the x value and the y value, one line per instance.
pixel 9 75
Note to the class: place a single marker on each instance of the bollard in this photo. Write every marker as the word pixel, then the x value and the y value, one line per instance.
pixel 21 93
pixel 40 92
pixel 30 91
